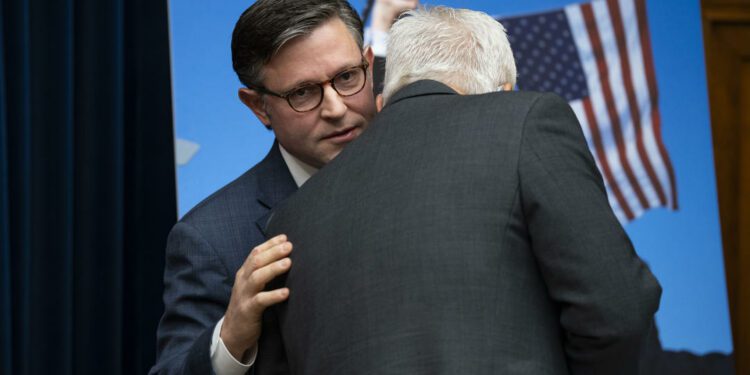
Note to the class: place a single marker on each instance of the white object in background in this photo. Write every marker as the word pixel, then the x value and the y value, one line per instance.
pixel 184 151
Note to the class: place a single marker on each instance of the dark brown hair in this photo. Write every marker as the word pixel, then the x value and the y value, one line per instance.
pixel 268 25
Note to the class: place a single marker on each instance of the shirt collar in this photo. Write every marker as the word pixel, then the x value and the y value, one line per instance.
pixel 300 171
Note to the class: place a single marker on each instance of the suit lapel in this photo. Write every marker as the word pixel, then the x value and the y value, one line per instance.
pixel 275 183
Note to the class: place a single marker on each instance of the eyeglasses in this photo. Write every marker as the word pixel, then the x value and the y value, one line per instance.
pixel 309 96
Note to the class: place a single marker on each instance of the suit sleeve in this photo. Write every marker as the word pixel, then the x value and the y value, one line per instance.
pixel 195 297
pixel 606 294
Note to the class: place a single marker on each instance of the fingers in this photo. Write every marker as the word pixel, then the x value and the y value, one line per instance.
pixel 242 319
pixel 267 252
pixel 260 277
pixel 404 5
pixel 265 262
pixel 407 4
pixel 266 299
pixel 394 8
pixel 280 239
pixel 273 254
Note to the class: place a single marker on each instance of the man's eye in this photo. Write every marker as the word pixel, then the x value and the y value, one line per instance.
pixel 346 76
pixel 302 92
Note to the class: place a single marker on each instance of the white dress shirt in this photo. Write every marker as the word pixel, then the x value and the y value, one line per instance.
pixel 222 361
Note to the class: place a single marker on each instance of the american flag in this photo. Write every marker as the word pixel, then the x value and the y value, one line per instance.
pixel 598 56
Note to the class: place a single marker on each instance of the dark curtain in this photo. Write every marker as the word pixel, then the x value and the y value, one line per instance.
pixel 87 191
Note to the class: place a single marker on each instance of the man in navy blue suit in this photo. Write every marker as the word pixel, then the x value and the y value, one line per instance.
pixel 307 78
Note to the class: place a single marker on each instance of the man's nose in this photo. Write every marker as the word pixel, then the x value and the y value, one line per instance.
pixel 333 106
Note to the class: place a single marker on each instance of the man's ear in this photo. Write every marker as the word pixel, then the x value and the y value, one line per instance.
pixel 369 57
pixel 379 102
pixel 254 100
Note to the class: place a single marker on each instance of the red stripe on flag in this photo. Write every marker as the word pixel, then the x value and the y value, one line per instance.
pixel 616 17
pixel 596 44
pixel 648 62
pixel 596 138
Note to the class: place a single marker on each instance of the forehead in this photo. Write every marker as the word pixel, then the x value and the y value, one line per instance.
pixel 327 50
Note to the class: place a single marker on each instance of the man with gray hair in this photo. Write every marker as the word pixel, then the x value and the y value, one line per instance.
pixel 466 50
pixel 467 231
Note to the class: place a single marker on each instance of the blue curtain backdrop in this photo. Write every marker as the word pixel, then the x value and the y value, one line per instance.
pixel 87 191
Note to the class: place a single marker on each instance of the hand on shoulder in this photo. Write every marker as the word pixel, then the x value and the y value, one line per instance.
pixel 242 320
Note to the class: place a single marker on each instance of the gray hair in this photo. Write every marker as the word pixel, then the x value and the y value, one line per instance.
pixel 266 26
pixel 465 49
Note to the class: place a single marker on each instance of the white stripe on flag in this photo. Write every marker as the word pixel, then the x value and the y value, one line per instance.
pixel 635 55
pixel 590 68
pixel 613 59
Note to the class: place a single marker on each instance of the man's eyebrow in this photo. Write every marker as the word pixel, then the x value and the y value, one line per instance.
pixel 298 85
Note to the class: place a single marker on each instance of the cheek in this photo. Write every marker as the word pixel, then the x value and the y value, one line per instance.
pixel 365 106
pixel 299 129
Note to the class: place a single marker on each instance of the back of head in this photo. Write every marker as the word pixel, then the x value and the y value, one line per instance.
pixel 266 26
pixel 465 49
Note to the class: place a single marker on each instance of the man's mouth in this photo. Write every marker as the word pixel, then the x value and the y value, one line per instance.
pixel 343 136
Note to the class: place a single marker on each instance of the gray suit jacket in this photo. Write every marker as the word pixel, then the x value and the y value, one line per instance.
pixel 459 235
pixel 204 251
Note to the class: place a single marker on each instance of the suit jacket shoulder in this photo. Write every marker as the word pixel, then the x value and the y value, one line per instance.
pixel 230 218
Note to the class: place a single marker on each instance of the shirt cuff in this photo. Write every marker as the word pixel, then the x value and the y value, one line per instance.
pixel 378 40
pixel 223 362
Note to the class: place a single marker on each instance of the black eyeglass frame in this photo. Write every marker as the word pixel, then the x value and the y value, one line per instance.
pixel 364 65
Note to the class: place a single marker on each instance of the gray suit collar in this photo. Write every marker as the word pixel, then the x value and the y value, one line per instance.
pixel 420 88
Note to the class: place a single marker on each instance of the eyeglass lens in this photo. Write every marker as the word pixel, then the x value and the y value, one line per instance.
pixel 346 83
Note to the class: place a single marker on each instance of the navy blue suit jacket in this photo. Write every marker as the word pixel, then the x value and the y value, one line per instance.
pixel 204 251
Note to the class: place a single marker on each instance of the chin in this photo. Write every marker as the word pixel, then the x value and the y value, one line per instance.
pixel 333 156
